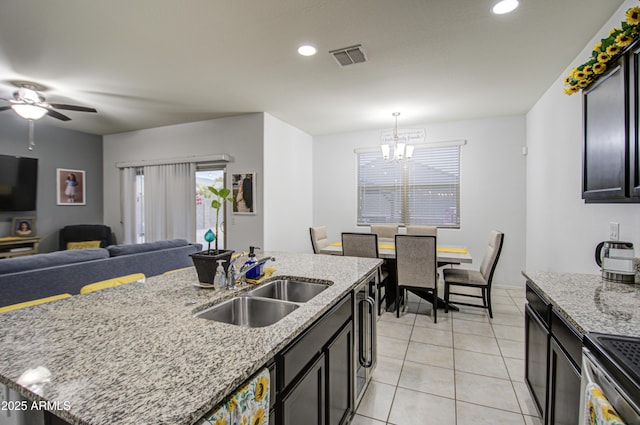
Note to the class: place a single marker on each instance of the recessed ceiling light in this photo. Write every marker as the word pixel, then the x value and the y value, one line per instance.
pixel 505 6
pixel 307 50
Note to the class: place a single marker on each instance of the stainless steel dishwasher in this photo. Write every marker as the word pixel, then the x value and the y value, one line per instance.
pixel 365 341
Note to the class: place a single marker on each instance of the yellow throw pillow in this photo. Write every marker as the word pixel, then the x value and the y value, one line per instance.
pixel 110 283
pixel 33 302
pixel 83 245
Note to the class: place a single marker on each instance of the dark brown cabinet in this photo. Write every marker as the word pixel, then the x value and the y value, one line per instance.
pixel 634 136
pixel 611 120
pixel 536 355
pixel 553 353
pixel 315 372
pixel 537 322
pixel 565 358
pixel 339 357
pixel 564 388
pixel 304 403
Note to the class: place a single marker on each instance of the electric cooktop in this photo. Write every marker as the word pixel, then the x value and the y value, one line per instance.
pixel 620 355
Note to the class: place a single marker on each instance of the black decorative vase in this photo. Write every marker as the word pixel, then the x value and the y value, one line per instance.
pixel 206 263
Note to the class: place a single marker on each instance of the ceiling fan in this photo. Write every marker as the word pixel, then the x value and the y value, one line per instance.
pixel 31 105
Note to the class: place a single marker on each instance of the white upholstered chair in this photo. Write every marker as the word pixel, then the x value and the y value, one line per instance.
pixel 417 268
pixel 385 231
pixel 366 245
pixel 422 230
pixel 318 238
pixel 480 279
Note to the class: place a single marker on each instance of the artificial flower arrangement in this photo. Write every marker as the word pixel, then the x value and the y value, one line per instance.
pixel 604 52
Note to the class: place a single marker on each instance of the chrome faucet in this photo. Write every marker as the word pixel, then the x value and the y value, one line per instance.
pixel 232 276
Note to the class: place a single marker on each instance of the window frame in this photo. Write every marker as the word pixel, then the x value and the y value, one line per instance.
pixel 400 188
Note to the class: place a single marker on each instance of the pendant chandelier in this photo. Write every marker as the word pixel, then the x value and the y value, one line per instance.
pixel 401 141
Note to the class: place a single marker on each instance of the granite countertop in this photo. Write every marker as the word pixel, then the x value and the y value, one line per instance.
pixel 590 303
pixel 135 354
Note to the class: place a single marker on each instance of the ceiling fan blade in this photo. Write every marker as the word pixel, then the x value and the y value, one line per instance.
pixel 72 107
pixel 5 108
pixel 58 115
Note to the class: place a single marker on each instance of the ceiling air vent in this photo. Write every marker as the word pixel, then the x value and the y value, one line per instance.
pixel 349 55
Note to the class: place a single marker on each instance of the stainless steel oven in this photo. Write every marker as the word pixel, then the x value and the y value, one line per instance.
pixel 364 350
pixel 612 363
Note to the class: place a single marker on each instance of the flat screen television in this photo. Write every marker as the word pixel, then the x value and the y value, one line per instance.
pixel 18 183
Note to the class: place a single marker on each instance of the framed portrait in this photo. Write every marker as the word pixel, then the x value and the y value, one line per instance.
pixel 71 186
pixel 23 226
pixel 244 193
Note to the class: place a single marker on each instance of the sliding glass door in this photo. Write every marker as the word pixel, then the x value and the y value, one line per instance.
pixel 205 215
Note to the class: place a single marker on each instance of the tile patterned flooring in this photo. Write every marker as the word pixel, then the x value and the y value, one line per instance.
pixel 464 370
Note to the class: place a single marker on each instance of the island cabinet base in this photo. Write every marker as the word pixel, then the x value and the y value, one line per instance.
pixel 552 361
pixel 314 374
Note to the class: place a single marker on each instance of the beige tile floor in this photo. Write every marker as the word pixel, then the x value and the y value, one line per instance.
pixel 464 370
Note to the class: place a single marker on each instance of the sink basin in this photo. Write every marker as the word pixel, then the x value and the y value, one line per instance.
pixel 288 290
pixel 248 312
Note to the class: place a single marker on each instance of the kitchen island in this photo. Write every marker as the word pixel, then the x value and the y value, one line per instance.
pixel 135 354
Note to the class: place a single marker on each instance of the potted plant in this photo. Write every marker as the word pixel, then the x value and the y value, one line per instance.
pixel 206 261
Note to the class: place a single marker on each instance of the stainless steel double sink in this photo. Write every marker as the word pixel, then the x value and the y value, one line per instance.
pixel 265 305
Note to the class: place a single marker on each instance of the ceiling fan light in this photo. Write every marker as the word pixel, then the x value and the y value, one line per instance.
pixel 29 112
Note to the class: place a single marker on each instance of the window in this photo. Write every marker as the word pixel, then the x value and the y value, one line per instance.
pixel 423 190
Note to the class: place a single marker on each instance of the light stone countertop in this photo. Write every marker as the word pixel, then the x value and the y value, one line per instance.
pixel 135 354
pixel 590 303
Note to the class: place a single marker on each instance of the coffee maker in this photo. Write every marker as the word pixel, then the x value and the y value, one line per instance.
pixel 617 261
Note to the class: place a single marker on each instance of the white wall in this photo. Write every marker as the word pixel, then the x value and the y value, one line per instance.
pixel 241 137
pixel 492 186
pixel 288 178
pixel 562 231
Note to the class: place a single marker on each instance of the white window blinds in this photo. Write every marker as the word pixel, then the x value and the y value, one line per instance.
pixel 423 190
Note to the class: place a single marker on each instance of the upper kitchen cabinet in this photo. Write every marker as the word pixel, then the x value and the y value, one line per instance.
pixel 611 121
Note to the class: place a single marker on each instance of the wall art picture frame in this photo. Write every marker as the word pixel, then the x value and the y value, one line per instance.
pixel 71 187
pixel 23 226
pixel 244 193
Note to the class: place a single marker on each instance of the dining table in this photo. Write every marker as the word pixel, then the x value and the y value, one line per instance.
pixel 446 255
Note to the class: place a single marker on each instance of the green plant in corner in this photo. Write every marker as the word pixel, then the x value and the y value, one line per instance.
pixel 219 197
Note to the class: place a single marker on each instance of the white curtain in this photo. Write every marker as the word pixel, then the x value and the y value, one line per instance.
pixel 128 204
pixel 169 202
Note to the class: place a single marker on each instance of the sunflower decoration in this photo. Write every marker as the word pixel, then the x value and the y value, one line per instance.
pixel 262 388
pixel 258 417
pixel 604 52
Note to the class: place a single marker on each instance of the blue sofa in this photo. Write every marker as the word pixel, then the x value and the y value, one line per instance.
pixel 44 275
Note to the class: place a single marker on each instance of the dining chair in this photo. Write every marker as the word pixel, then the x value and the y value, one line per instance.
pixel 385 231
pixel 480 279
pixel 417 268
pixel 319 238
pixel 366 245
pixel 422 230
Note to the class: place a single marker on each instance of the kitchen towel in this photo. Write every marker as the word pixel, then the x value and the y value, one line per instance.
pixel 248 406
pixel 599 410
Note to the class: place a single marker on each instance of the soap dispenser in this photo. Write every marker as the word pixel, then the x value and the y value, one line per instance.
pixel 256 272
pixel 220 279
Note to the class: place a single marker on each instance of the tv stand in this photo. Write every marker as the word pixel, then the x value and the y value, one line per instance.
pixel 16 246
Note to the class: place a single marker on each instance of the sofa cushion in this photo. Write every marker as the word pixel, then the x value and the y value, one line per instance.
pixel 117 250
pixel 58 258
